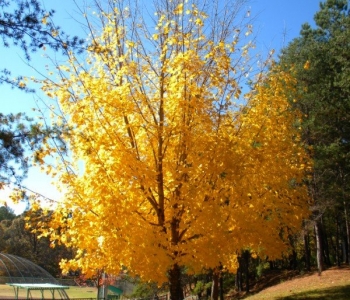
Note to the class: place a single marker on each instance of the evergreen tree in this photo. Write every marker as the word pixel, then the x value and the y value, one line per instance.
pixel 27 25
pixel 320 58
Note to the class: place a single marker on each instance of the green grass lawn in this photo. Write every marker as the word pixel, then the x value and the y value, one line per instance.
pixel 82 292
pixel 73 292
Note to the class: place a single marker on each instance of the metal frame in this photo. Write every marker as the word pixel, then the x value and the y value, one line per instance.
pixel 40 287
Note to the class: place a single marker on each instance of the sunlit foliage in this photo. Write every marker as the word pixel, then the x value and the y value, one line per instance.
pixel 170 165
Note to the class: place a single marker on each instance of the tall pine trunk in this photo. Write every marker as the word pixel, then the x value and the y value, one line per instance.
pixel 325 244
pixel 307 251
pixel 319 250
pixel 347 227
pixel 337 247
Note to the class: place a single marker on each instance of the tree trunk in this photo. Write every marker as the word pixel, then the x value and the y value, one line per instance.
pixel 326 256
pixel 293 263
pixel 346 219
pixel 238 281
pixel 246 256
pixel 215 286
pixel 319 250
pixel 221 286
pixel 344 247
pixel 176 292
pixel 337 247
pixel 100 282
pixel 307 251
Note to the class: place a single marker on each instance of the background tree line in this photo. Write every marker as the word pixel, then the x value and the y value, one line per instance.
pixel 17 240
pixel 320 59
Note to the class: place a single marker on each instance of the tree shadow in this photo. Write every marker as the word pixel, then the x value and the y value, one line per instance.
pixel 270 278
pixel 334 293
pixel 275 277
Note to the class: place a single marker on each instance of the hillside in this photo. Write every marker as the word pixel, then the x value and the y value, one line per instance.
pixel 333 283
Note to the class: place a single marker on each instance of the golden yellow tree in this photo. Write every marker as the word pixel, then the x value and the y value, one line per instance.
pixel 166 169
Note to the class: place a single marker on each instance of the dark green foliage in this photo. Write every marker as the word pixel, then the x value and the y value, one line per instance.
pixel 321 61
pixel 6 213
pixel 144 290
pixel 15 136
pixel 228 281
pixel 27 25
pixel 18 137
pixel 261 267
pixel 324 89
pixel 17 240
pixel 201 287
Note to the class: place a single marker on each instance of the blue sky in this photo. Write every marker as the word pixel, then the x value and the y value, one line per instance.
pixel 276 23
pixel 279 21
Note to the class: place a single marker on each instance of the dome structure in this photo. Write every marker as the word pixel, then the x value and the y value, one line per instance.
pixel 15 269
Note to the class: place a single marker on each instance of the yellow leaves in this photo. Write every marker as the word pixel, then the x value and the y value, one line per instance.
pixel 199 22
pixel 64 68
pixel 157 149
pixel 17 195
pixel 130 44
pixel 63 238
pixel 22 85
pixel 179 9
pixel 54 33
pixel 108 29
pixel 307 65
pixel 44 19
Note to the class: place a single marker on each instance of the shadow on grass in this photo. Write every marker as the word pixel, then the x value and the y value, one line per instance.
pixel 334 293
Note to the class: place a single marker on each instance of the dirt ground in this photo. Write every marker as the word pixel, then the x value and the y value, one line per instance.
pixel 289 282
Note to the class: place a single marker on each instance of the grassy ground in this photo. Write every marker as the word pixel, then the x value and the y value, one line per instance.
pixel 73 292
pixel 82 292
pixel 332 284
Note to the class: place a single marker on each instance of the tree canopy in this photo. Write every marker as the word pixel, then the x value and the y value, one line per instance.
pixel 170 165
pixel 320 58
